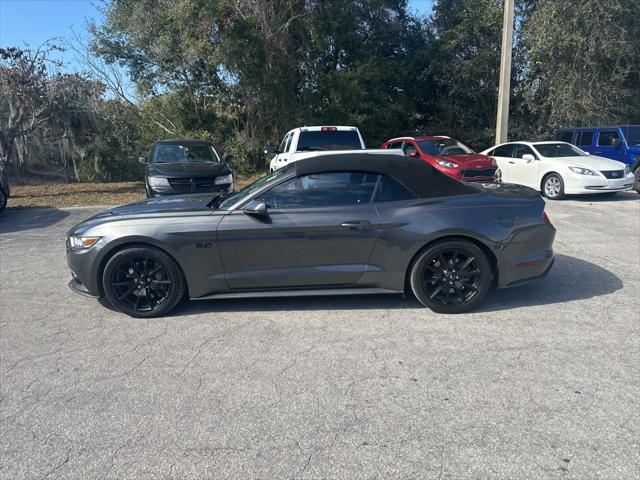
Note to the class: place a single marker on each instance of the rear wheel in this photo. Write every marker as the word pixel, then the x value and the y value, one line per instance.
pixel 452 276
pixel 143 282
pixel 553 187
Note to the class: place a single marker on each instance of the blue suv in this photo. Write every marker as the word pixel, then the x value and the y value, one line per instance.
pixel 618 142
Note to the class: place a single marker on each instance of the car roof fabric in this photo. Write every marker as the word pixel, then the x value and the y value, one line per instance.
pixel 415 174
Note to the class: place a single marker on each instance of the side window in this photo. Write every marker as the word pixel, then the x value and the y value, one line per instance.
pixel 608 138
pixel 504 150
pixel 288 144
pixel 585 139
pixel 521 150
pixel 395 145
pixel 410 149
pixel 389 190
pixel 322 190
pixel 565 136
pixel 283 144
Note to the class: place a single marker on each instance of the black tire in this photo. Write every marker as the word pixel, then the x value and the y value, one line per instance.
pixel 636 183
pixel 553 187
pixel 451 276
pixel 3 199
pixel 143 282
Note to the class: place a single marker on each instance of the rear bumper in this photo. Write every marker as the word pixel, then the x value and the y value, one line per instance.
pixel 528 257
pixel 525 281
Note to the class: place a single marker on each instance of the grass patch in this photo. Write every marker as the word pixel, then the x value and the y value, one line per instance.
pixel 61 195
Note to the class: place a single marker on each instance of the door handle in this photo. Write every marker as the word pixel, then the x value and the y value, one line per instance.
pixel 511 162
pixel 356 224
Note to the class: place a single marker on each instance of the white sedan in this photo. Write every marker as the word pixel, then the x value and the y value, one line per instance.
pixel 559 168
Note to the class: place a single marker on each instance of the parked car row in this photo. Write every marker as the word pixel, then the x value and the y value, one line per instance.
pixel 553 168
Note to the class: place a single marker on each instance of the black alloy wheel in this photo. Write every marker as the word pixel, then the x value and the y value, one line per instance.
pixel 3 199
pixel 451 276
pixel 143 282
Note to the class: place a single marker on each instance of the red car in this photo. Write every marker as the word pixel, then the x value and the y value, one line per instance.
pixel 449 156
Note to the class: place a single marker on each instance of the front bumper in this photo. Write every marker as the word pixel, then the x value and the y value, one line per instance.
pixel 154 192
pixel 78 287
pixel 583 184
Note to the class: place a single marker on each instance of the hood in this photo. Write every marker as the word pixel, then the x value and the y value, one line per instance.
pixel 172 205
pixel 188 169
pixel 472 160
pixel 591 161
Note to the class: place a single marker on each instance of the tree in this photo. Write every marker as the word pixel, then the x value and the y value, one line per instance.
pixel 461 65
pixel 583 63
pixel 26 97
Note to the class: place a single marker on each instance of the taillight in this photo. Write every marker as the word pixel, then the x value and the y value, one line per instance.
pixel 545 218
pixel 328 129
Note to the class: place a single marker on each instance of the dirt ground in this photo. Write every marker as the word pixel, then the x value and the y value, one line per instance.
pixel 62 195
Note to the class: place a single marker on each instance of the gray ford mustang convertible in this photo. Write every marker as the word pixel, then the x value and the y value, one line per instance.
pixel 333 224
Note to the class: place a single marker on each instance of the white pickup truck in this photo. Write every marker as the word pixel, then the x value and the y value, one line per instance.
pixel 306 142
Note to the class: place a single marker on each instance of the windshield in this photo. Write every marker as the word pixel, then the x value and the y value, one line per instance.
pixel 443 146
pixel 246 192
pixel 172 153
pixel 329 140
pixel 632 134
pixel 552 150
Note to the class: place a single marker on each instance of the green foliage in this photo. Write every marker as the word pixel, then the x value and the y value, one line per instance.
pixel 583 62
pixel 242 73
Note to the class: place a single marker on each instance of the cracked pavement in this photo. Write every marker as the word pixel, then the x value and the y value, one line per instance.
pixel 541 382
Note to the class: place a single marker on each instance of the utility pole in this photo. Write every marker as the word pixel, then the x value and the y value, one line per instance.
pixel 504 92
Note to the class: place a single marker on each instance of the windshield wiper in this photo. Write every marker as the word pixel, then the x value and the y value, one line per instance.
pixel 303 149
pixel 216 200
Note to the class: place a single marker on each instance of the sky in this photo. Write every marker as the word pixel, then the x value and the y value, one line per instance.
pixel 32 22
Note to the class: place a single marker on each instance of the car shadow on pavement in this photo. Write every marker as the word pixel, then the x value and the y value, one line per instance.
pixel 570 279
pixel 599 197
pixel 19 219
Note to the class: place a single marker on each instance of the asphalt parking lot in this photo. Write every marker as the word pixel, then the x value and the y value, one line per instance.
pixel 542 382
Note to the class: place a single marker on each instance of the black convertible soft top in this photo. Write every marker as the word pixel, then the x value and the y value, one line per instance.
pixel 415 174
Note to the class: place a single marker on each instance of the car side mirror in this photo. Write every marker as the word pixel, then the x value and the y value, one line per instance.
pixel 528 157
pixel 256 208
pixel 142 160
pixel 270 150
pixel 227 158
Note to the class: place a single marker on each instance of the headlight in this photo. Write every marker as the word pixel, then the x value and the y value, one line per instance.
pixel 494 162
pixel 224 179
pixel 447 164
pixel 582 171
pixel 81 243
pixel 158 182
pixel 627 170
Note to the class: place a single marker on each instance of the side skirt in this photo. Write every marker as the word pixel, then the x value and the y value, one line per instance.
pixel 301 293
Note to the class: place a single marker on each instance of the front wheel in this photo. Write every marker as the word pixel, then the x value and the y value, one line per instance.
pixel 143 282
pixel 451 276
pixel 636 183
pixel 553 187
